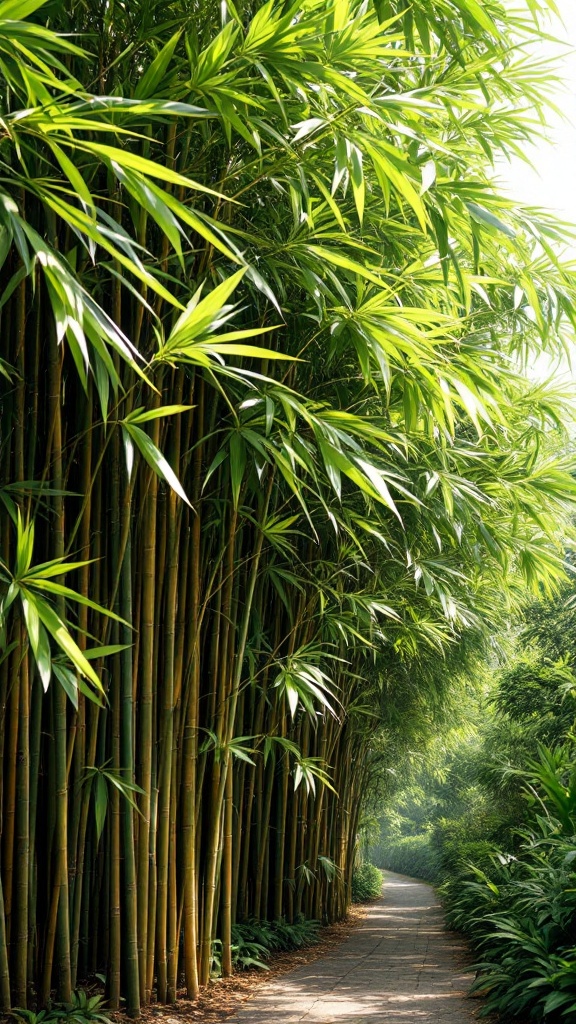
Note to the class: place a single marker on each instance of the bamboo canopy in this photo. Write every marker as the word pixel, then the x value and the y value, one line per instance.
pixel 266 453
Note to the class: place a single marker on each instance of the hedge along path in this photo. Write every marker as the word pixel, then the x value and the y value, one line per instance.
pixel 400 966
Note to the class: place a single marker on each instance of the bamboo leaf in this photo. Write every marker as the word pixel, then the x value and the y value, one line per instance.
pixel 68 681
pixel 100 803
pixel 58 631
pixel 152 78
pixel 19 9
pixel 154 457
pixel 237 465
pixel 487 217
pixel 124 158
pixel 38 641
pixel 146 416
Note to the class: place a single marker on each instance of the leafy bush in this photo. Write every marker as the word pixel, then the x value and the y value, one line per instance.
pixel 82 1009
pixel 456 843
pixel 254 941
pixel 411 855
pixel 366 883
pixel 520 911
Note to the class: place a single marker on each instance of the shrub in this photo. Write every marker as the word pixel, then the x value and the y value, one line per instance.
pixel 366 883
pixel 520 909
pixel 410 855
pixel 82 1009
pixel 254 941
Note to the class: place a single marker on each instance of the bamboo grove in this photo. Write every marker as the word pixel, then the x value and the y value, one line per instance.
pixel 266 452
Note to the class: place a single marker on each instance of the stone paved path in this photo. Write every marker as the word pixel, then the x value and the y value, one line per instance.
pixel 399 967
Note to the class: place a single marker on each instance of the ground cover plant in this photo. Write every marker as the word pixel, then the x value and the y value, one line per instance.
pixel 500 833
pixel 366 883
pixel 268 465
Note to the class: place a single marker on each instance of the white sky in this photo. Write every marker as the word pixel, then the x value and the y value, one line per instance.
pixel 553 182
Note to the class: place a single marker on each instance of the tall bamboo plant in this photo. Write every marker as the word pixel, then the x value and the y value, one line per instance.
pixel 264 449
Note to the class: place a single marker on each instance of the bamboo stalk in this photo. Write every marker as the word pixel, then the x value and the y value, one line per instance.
pixel 64 986
pixel 5 1001
pixel 127 763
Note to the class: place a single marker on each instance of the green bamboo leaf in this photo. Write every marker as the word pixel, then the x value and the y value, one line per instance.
pixel 24 546
pixel 199 315
pixel 125 158
pixel 19 9
pixel 56 628
pixel 55 567
pixel 479 13
pixel 145 416
pixel 154 457
pixel 338 259
pixel 152 78
pixel 38 641
pixel 249 351
pixel 61 591
pixel 237 465
pixel 486 217
pixel 103 652
pixel 100 803
pixel 357 178
pixel 73 174
pixel 68 681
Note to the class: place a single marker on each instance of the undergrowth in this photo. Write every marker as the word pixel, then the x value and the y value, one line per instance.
pixel 82 1009
pixel 253 942
pixel 366 883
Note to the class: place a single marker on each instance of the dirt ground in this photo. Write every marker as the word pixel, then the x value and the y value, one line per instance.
pixel 225 996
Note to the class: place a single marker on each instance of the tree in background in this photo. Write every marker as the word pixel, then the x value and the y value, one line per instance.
pixel 266 456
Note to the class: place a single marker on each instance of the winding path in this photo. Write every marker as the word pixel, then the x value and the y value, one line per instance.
pixel 400 966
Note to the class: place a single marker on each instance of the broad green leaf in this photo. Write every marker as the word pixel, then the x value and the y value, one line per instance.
pixel 199 315
pixel 68 681
pixel 103 652
pixel 61 591
pixel 38 641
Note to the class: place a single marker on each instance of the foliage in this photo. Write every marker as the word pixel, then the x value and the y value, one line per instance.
pixel 409 855
pixel 501 825
pixel 81 1009
pixel 254 941
pixel 366 883
pixel 520 910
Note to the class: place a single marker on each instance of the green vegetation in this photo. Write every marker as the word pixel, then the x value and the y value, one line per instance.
pixel 81 1009
pixel 271 475
pixel 253 941
pixel 410 855
pixel 366 883
pixel 495 822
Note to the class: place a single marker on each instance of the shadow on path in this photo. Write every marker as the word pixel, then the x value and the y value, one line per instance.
pixel 400 967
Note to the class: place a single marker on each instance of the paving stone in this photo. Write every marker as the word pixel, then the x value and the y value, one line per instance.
pixel 400 967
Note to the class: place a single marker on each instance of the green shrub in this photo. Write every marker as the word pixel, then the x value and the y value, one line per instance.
pixel 410 855
pixel 254 941
pixel 366 883
pixel 458 841
pixel 519 908
pixel 82 1009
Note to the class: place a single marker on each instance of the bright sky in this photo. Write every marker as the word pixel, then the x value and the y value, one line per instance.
pixel 553 182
